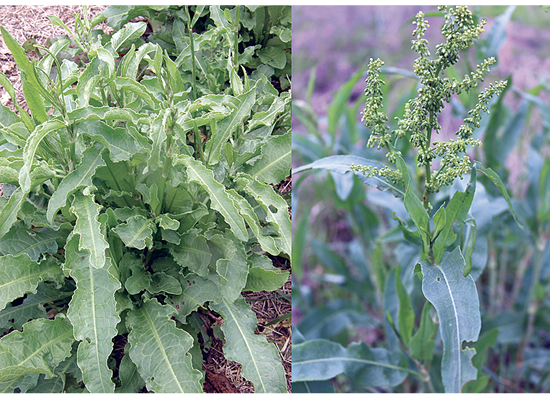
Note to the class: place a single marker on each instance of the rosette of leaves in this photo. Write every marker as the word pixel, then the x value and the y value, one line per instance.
pixel 258 37
pixel 445 256
pixel 132 204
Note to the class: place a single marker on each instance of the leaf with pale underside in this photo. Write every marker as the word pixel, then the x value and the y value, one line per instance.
pixel 80 177
pixel 275 162
pixel 260 359
pixel 137 232
pixel 39 348
pixel 21 240
pixel 92 311
pixel 160 350
pixel 89 229
pixel 455 300
pixel 20 275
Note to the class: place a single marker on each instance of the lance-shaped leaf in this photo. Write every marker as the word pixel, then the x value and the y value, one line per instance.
pixel 89 229
pixel 227 126
pixel 456 211
pixel 260 359
pixel 160 350
pixel 275 163
pixel 128 32
pixel 31 146
pixel 8 215
pixel 221 200
pixel 20 275
pixel 80 177
pixel 341 164
pixel 455 300
pixel 88 113
pixel 92 311
pixel 276 209
pixel 422 344
pixel 324 359
pixel 137 232
pixel 21 240
pixel 39 348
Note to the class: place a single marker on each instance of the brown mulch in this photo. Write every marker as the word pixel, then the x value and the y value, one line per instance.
pixel 26 22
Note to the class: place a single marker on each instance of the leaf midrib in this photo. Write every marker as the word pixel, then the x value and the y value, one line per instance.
pixel 157 337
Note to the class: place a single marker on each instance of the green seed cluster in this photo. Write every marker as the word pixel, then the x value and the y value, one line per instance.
pixel 420 116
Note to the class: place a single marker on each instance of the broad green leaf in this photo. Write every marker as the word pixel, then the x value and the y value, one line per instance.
pixel 20 275
pixel 32 306
pixel 341 164
pixel 137 232
pixel 220 199
pixel 128 32
pixel 31 146
pixel 140 279
pixel 92 311
pixel 231 267
pixel 494 177
pixel 324 359
pixel 160 282
pixel 22 383
pixel 456 211
pixel 80 177
pixel 121 145
pixel 8 215
pixel 405 315
pixel 227 126
pixel 266 242
pixel 21 240
pixel 422 344
pixel 262 275
pixel 129 377
pixel 273 56
pixel 39 348
pixel 456 302
pixel 160 350
pixel 260 359
pixel 196 292
pixel 276 209
pixel 89 229
pixel 275 162
pixel 192 252
pixel 174 76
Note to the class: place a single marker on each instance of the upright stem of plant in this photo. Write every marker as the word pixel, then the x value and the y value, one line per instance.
pixel 236 49
pixel 492 265
pixel 193 70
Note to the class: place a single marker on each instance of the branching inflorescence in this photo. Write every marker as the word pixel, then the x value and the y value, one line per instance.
pixel 420 116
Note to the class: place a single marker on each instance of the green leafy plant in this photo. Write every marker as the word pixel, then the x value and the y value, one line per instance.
pixel 257 37
pixel 439 245
pixel 132 202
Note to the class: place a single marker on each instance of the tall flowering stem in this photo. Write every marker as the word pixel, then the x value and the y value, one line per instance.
pixel 420 118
